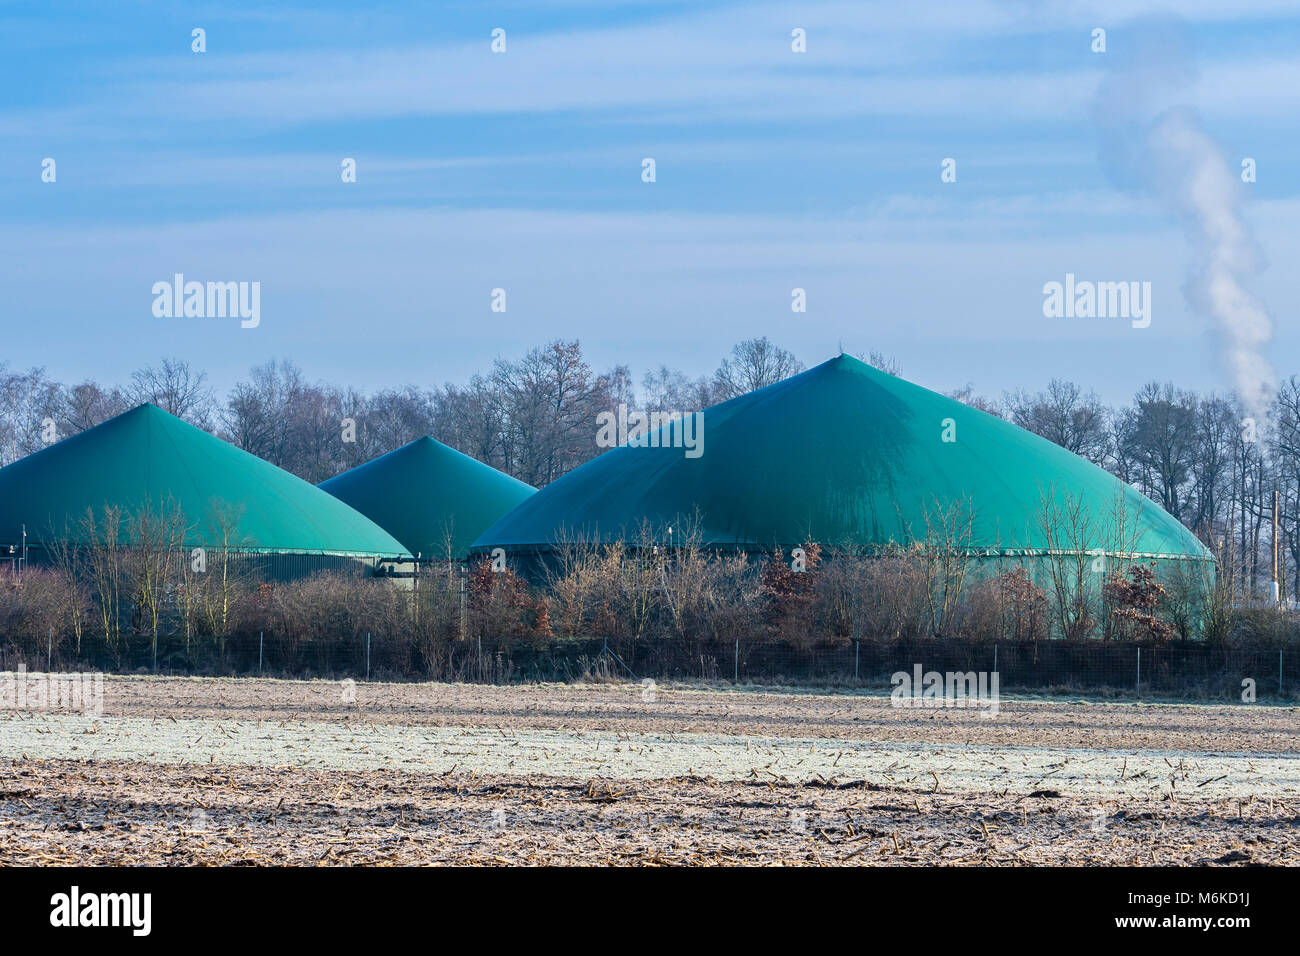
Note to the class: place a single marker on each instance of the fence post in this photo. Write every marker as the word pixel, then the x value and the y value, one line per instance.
pixel 259 653
pixel 857 653
pixel 995 658
pixel 1139 673
pixel 735 674
pixel 367 655
pixel 1279 672
pixel 480 657
pixel 49 658
pixel 463 618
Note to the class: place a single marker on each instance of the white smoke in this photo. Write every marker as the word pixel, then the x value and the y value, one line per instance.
pixel 1151 134
pixel 1197 182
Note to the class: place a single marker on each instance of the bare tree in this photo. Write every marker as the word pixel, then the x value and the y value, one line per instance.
pixel 1069 531
pixel 256 415
pixel 944 556
pixel 1159 434
pixel 227 575
pixel 391 418
pixel 71 563
pixel 176 388
pixel 885 363
pixel 90 404
pixel 156 538
pixel 1218 422
pixel 754 364
pixel 1064 414
pixel 966 395
pixel 553 399
pixel 104 552
pixel 473 419
pixel 668 389
pixel 29 402
pixel 1286 455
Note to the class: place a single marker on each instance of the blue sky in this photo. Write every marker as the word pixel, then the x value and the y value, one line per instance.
pixel 522 170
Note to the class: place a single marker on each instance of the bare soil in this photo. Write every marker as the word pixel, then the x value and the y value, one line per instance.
pixel 129 813
pixel 633 708
pixel 199 771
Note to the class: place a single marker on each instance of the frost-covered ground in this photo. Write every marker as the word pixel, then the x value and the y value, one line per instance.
pixel 583 754
pixel 250 771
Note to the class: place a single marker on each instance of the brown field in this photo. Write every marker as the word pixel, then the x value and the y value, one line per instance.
pixel 190 771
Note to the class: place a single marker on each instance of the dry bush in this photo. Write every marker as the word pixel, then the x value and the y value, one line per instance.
pixel 686 585
pixel 1271 626
pixel 616 591
pixel 875 597
pixel 327 607
pixel 1198 601
pixel 1134 600
pixel 71 564
pixel 437 610
pixel 1007 607
pixel 944 556
pixel 839 597
pixel 647 592
pixel 105 553
pixel 583 581
pixel 790 596
pixel 152 566
pixel 718 597
pixel 639 597
pixel 502 606
pixel 36 607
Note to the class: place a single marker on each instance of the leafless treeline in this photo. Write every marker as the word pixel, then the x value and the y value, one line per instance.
pixel 1202 457
pixel 151 605
pixel 533 418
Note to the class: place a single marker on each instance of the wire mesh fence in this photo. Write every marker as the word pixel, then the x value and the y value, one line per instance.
pixel 1223 671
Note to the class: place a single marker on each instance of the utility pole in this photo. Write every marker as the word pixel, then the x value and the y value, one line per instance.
pixel 1276 591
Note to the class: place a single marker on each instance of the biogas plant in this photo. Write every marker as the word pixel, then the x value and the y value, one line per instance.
pixel 858 461
pixel 844 455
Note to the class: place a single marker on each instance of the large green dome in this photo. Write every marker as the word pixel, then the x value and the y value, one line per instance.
pixel 429 496
pixel 847 456
pixel 147 459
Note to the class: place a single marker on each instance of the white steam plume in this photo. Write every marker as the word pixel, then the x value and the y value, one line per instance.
pixel 1149 133
pixel 1199 184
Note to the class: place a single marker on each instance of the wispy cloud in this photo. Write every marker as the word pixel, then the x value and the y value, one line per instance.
pixel 522 170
